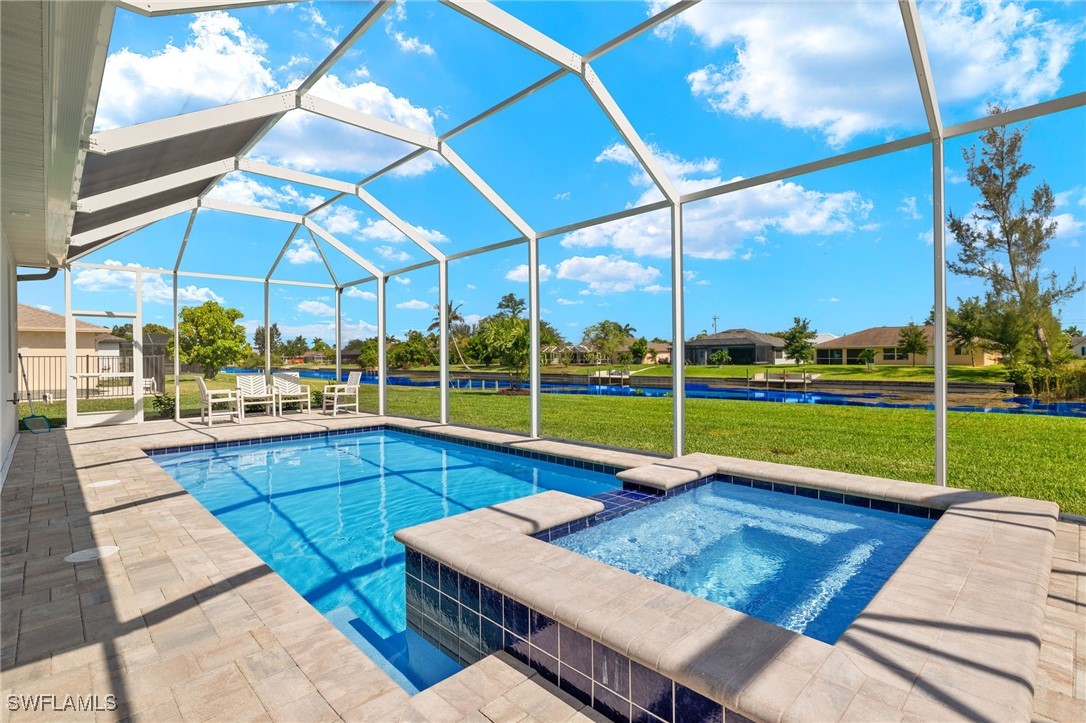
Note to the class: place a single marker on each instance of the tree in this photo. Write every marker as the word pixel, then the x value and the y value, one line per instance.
pixel 276 339
pixel 628 329
pixel 124 331
pixel 512 304
pixel 320 345
pixel 1003 242
pixel 867 356
pixel 413 351
pixel 912 341
pixel 210 337
pixel 456 323
pixel 550 336
pixel 797 341
pixel 296 346
pixel 639 349
pixel 1072 331
pixel 966 327
pixel 606 337
pixel 509 340
pixel 720 357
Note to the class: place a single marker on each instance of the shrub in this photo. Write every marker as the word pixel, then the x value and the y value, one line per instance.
pixel 164 405
pixel 317 398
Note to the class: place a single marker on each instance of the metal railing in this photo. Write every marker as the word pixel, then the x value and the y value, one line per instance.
pixel 47 377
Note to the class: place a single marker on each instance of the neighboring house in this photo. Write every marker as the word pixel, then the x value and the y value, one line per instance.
pixel 823 337
pixel 884 340
pixel 41 334
pixel 663 352
pixel 575 353
pixel 313 357
pixel 743 346
pixel 1078 346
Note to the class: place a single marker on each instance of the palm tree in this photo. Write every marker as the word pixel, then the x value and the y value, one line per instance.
pixel 628 329
pixel 454 317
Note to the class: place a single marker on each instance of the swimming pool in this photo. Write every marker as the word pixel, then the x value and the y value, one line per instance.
pixel 805 564
pixel 321 512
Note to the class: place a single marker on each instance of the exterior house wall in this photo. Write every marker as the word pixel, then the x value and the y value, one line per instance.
pixel 48 375
pixel 9 413
pixel 883 358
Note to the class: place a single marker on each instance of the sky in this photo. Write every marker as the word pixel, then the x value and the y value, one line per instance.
pixel 723 92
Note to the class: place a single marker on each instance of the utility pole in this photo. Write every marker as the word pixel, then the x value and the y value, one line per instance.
pixel 715 319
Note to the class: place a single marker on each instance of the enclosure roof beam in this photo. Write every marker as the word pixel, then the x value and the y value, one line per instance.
pixel 135 191
pixel 1067 102
pixel 282 251
pixel 289 174
pixel 159 271
pixel 213 204
pixel 132 222
pixel 519 32
pixel 402 226
pixel 488 193
pixel 320 252
pixel 343 248
pixel 157 8
pixel 345 45
pixel 911 18
pixel 164 129
pixel 185 241
pixel 368 122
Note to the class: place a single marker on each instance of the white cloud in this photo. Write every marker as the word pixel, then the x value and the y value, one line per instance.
pixel 327 330
pixel 718 227
pixel 311 143
pixel 410 44
pixel 470 287
pixel 472 319
pixel 44 307
pixel 908 208
pixel 607 275
pixel 564 196
pixel 218 63
pixel 703 282
pixel 355 293
pixel 846 70
pixel 239 188
pixel 155 288
pixel 674 166
pixel 569 302
pixel 413 304
pixel 343 220
pixel 520 273
pixel 1067 226
pixel 405 280
pixel 656 289
pixel 387 252
pixel 316 307
pixel 302 252
pixel 382 230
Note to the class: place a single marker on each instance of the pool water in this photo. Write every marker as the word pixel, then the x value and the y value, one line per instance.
pixel 803 564
pixel 321 512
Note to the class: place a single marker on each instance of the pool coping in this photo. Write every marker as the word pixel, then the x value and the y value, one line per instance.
pixel 954 633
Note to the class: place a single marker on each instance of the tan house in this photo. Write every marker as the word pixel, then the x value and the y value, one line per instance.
pixel 41 334
pixel 884 340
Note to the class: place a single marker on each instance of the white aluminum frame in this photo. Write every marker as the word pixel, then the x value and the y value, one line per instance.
pixel 490 16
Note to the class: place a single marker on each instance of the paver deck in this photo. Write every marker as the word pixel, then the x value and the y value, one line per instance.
pixel 185 622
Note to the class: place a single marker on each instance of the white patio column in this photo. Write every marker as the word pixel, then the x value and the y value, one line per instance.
pixel 940 340
pixel 177 355
pixel 534 371
pixel 382 338
pixel 678 344
pixel 443 344
pixel 267 326
pixel 137 350
pixel 72 387
pixel 339 334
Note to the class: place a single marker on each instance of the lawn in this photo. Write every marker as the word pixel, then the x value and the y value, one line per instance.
pixel 1029 456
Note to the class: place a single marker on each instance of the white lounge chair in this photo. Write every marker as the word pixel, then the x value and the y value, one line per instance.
pixel 210 398
pixel 343 397
pixel 288 389
pixel 253 389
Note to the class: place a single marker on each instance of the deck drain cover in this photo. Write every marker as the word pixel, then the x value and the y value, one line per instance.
pixel 104 483
pixel 92 553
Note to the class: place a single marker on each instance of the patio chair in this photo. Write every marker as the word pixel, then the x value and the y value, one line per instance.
pixel 210 398
pixel 253 389
pixel 343 396
pixel 288 389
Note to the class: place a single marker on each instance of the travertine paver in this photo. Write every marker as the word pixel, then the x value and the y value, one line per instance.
pixel 186 623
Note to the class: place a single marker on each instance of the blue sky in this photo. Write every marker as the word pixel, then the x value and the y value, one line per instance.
pixel 726 91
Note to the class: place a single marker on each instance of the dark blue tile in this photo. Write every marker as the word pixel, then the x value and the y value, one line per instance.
pixel 431 606
pixel 430 572
pixel 576 649
pixel 607 703
pixel 642 716
pixel 413 591
pixel 493 636
pixel 611 668
pixel 913 510
pixel 857 501
pixel 516 617
pixel 413 562
pixel 517 647
pixel 544 633
pixel 884 505
pixel 831 496
pixel 730 716
pixel 934 514
pixel 575 684
pixel 651 691
pixel 742 481
pixel 470 628
pixel 693 707
pixel 761 484
pixel 450 613
pixel 469 593
pixel 546 665
pixel 785 488
pixel 450 582
pixel 807 492
pixel 490 603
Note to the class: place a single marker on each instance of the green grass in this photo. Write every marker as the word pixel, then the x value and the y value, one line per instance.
pixel 1028 456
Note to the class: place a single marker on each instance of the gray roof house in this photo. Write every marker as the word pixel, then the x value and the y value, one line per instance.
pixel 743 346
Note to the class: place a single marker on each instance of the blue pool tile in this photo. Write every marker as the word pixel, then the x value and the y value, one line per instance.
pixel 413 588
pixel 913 510
pixel 493 636
pixel 430 572
pixel 761 484
pixel 450 582
pixel 784 488
pixel 450 613
pixel 575 684
pixel 576 649
pixel 413 563
pixel 470 628
pixel 469 593
pixel 544 633
pixel 742 481
pixel 517 647
pixel 611 668
pixel 884 505
pixel 546 665
pixel 607 703
pixel 431 606
pixel 857 501
pixel 516 617
pixel 651 691
pixel 730 716
pixel 490 604
pixel 830 496
pixel 807 492
pixel 693 707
